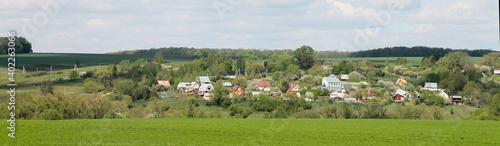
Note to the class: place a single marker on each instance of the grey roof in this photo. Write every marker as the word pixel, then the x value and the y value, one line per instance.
pixel 456 97
pixel 401 92
pixel 182 85
pixel 329 88
pixel 203 79
pixel 331 79
pixel 431 85
pixel 227 84
pixel 206 87
pixel 349 99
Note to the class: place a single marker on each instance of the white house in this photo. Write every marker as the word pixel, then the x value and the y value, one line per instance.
pixel 205 88
pixel 339 93
pixel 431 87
pixel 403 93
pixel 203 79
pixel 182 86
pixel 497 72
pixel 331 82
pixel 344 77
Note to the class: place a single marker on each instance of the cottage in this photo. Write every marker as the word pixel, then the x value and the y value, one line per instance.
pixel 203 79
pixel 294 89
pixel 227 85
pixel 338 94
pixel 431 87
pixel 182 86
pixel 457 100
pixel 344 77
pixel 403 93
pixel 164 83
pixel 401 82
pixel 205 88
pixel 370 94
pixel 237 91
pixel 496 72
pixel 192 88
pixel 263 84
pixel 331 82
pixel 398 98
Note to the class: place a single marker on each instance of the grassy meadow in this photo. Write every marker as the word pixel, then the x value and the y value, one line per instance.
pixel 415 61
pixel 253 132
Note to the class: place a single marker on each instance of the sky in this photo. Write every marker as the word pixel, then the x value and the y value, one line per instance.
pixel 100 26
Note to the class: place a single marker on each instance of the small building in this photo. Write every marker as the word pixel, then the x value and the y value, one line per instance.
pixel 163 83
pixel 294 89
pixel 203 79
pixel 263 84
pixel 227 85
pixel 344 77
pixel 400 95
pixel 338 94
pixel 496 72
pixel 457 100
pixel 237 91
pixel 192 88
pixel 431 87
pixel 370 94
pixel 182 86
pixel 401 82
pixel 205 88
pixel 398 98
pixel 331 82
pixel 350 100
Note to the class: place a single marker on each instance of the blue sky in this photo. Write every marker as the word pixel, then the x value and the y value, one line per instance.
pixel 99 26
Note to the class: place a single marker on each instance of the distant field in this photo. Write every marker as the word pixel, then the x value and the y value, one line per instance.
pixel 415 61
pixel 252 132
pixel 62 60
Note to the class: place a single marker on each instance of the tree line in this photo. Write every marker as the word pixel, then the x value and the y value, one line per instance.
pixel 417 51
pixel 21 44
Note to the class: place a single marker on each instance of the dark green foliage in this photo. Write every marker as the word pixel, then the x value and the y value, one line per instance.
pixel 240 65
pixel 343 68
pixel 400 61
pixel 454 82
pixel 416 51
pixel 73 75
pixel 46 87
pixel 429 98
pixel 238 111
pixel 305 57
pixel 21 45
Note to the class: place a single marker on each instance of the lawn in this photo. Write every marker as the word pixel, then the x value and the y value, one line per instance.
pixel 253 132
pixel 416 61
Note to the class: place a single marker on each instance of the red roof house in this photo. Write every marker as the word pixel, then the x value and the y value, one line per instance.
pixel 264 84
pixel 163 83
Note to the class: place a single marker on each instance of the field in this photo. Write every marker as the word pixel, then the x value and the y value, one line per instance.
pixel 415 61
pixel 253 132
pixel 62 60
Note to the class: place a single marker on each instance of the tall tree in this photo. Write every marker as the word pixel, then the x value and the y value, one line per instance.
pixel 240 65
pixel 304 56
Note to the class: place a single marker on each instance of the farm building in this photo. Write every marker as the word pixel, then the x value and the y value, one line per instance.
pixel 294 89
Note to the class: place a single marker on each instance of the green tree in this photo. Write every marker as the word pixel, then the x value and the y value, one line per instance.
pixel 454 82
pixel 494 107
pixel 240 80
pixel 401 61
pixel 455 61
pixel 291 70
pixel 91 86
pixel 240 65
pixel 105 78
pixel 305 57
pixel 73 75
pixel 46 87
pixel 490 59
pixel 158 59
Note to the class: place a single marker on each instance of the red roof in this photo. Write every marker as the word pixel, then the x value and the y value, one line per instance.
pixel 290 89
pixel 264 83
pixel 370 92
pixel 164 83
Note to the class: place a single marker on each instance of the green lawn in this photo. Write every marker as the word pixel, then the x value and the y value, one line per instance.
pixel 252 132
pixel 416 61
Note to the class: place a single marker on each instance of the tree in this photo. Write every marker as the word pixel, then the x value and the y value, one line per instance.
pixel 454 82
pixel 46 87
pixel 158 59
pixel 240 65
pixel 240 80
pixel 73 75
pixel 77 63
pixel 91 86
pixel 284 86
pixel 115 71
pixel 400 61
pixel 291 70
pixel 455 61
pixel 105 78
pixel 21 45
pixel 305 57
pixel 494 107
pixel 490 59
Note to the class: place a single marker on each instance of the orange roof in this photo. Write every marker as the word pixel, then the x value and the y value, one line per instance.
pixel 264 83
pixel 164 83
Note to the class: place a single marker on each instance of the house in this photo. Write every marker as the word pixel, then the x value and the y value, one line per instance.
pixel 230 77
pixel 444 95
pixel 457 100
pixel 338 94
pixel 401 82
pixel 357 75
pixel 182 86
pixel 163 83
pixel 370 94
pixel 401 94
pixel 398 98
pixel 496 72
pixel 344 77
pixel 294 89
pixel 263 84
pixel 331 82
pixel 227 85
pixel 237 91
pixel 431 87
pixel 203 79
pixel 192 88
pixel 376 86
pixel 205 88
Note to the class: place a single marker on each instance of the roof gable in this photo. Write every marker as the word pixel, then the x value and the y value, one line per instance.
pixel 164 83
pixel 264 83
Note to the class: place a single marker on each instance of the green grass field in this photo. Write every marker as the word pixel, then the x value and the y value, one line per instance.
pixel 252 132
pixel 415 61
pixel 63 60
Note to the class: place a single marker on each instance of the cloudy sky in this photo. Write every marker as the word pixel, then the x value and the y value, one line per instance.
pixel 99 26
